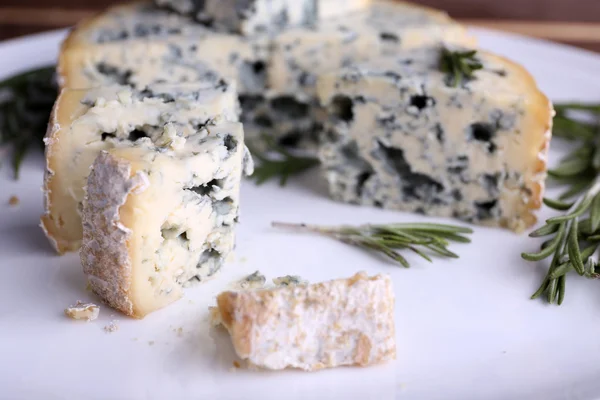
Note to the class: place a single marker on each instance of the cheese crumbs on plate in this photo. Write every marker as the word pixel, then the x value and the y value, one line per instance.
pixel 311 327
pixel 13 201
pixel 111 327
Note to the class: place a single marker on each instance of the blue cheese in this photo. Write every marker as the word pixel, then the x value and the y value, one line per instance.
pixel 401 136
pixel 84 123
pixel 289 121
pixel 138 45
pixel 250 17
pixel 156 218
pixel 256 280
pixel 299 55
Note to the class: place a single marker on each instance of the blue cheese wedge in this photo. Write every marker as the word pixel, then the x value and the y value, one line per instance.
pixel 159 214
pixel 84 123
pixel 262 16
pixel 299 55
pixel 138 45
pixel 311 327
pixel 402 136
pixel 250 17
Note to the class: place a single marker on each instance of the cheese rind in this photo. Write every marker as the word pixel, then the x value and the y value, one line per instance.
pixel 161 214
pixel 402 137
pixel 311 327
pixel 84 123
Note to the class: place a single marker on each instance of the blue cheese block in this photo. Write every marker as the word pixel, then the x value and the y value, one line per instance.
pixel 138 45
pixel 250 17
pixel 160 214
pixel 401 136
pixel 289 121
pixel 86 122
pixel 299 55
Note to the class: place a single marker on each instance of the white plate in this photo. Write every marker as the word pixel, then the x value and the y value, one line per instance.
pixel 466 328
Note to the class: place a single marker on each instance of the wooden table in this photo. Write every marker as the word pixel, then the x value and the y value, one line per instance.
pixel 575 22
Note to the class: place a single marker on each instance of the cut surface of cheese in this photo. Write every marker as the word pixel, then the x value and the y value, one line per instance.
pixel 311 327
pixel 402 136
pixel 140 44
pixel 263 16
pixel 300 55
pixel 160 213
pixel 84 123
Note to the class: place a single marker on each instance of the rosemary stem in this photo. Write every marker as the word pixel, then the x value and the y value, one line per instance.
pixel 302 227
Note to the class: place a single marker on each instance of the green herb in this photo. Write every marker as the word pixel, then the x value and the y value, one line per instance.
pixel 26 102
pixel 387 239
pixel 574 236
pixel 459 65
pixel 278 162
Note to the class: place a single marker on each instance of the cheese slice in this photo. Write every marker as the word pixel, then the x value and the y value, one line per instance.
pixel 402 136
pixel 311 327
pixel 160 214
pixel 84 123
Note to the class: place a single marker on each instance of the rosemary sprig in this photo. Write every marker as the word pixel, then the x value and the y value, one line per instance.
pixel 387 239
pixel 574 236
pixel 26 102
pixel 459 65
pixel 278 162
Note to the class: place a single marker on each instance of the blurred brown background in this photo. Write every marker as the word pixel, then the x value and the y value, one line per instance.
pixel 575 22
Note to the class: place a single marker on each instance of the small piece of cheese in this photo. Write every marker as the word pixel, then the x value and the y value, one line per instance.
pixel 341 322
pixel 156 218
pixel 402 137
pixel 86 311
pixel 85 122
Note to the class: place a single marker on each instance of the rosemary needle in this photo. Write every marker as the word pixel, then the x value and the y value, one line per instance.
pixel 575 234
pixel 26 102
pixel 459 65
pixel 278 162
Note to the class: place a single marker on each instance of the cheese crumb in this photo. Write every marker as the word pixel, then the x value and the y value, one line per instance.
pixel 111 327
pixel 81 311
pixel 13 201
pixel 124 96
pixel 170 138
pixel 215 316
pixel 253 281
pixel 290 280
